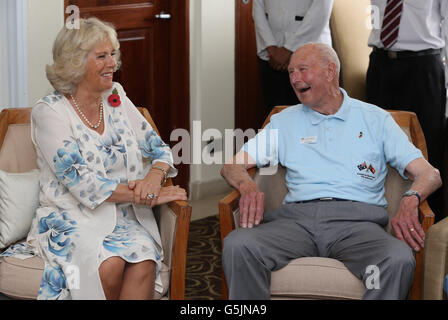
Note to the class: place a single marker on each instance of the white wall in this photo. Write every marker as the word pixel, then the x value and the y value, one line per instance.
pixel 29 28
pixel 4 92
pixel 45 19
pixel 212 81
pixel 13 65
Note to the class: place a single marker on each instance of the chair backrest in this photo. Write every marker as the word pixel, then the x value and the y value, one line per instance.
pixel 350 33
pixel 17 152
pixel 394 185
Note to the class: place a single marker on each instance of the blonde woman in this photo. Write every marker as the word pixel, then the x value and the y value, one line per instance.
pixel 102 169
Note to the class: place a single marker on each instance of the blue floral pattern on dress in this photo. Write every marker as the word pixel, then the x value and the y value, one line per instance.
pixel 18 249
pixel 53 285
pixel 111 141
pixel 153 147
pixel 58 228
pixel 129 240
pixel 68 162
pixel 52 98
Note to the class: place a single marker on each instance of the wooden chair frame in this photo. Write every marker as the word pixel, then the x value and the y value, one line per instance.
pixel 229 204
pixel 182 209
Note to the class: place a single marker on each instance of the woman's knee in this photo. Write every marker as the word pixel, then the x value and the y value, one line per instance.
pixel 111 275
pixel 143 271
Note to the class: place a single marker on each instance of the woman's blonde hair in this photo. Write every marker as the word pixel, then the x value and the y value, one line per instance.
pixel 70 51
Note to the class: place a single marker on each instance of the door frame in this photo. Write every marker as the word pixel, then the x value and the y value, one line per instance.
pixel 249 109
pixel 179 59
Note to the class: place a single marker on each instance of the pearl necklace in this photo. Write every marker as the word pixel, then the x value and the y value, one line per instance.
pixel 84 116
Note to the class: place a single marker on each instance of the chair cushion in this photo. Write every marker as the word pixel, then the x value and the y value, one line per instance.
pixel 20 278
pixel 19 198
pixel 316 278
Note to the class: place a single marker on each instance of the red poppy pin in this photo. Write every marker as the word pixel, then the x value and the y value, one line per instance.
pixel 114 99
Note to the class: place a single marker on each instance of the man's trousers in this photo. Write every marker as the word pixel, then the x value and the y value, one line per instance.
pixel 351 232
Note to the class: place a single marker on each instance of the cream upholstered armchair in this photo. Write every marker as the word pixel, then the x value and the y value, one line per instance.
pixel 325 278
pixel 21 278
pixel 435 267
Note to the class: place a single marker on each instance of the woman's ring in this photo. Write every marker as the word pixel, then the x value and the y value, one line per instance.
pixel 151 196
pixel 412 229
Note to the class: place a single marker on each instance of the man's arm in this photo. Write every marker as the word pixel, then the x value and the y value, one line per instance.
pixel 263 32
pixel 405 223
pixel 252 199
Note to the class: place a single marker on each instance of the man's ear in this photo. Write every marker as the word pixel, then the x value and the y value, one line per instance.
pixel 331 71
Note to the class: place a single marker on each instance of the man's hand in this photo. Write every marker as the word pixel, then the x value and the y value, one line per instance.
pixel 279 57
pixel 251 204
pixel 252 199
pixel 406 225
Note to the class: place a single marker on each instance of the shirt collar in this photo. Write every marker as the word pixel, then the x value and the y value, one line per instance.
pixel 342 113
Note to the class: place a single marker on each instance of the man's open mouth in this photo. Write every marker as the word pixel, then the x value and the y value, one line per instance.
pixel 302 90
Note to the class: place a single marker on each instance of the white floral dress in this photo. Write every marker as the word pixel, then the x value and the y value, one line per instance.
pixel 75 229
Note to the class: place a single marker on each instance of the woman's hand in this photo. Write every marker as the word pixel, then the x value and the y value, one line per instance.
pixel 164 194
pixel 171 193
pixel 151 185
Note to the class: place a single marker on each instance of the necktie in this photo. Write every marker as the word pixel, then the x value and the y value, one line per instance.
pixel 391 22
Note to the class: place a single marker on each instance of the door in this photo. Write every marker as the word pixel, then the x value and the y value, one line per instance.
pixel 154 46
pixel 249 110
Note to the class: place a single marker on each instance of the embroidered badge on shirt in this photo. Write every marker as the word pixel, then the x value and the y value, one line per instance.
pixel 308 140
pixel 367 171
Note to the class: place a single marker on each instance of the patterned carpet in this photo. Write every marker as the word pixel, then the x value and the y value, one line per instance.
pixel 203 279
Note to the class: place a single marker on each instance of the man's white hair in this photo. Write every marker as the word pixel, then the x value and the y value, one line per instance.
pixel 327 55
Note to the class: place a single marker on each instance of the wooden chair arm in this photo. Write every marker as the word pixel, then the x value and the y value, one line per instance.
pixel 426 215
pixel 427 220
pixel 182 210
pixel 226 207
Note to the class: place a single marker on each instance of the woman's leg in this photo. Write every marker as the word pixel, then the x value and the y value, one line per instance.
pixel 138 281
pixel 111 275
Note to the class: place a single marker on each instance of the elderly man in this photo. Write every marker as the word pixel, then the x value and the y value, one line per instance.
pixel 335 150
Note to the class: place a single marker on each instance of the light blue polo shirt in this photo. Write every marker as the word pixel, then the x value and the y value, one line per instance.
pixel 344 155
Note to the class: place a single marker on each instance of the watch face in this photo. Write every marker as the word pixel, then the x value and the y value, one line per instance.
pixel 412 193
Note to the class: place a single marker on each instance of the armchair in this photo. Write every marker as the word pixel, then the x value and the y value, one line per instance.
pixel 21 278
pixel 436 261
pixel 325 278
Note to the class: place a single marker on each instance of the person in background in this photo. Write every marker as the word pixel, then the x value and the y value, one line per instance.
pixel 406 71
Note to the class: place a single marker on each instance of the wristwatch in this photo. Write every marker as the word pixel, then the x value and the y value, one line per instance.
pixel 412 193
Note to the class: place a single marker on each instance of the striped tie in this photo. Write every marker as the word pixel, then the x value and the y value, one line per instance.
pixel 391 22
